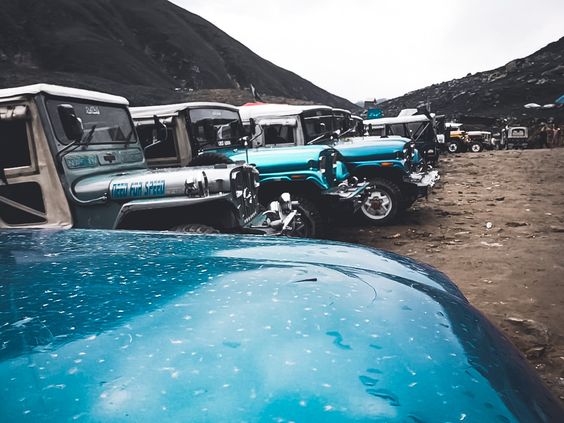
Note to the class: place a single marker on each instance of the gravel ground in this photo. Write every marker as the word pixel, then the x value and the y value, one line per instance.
pixel 495 225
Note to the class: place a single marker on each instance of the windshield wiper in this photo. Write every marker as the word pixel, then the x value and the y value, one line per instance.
pixel 322 137
pixel 89 137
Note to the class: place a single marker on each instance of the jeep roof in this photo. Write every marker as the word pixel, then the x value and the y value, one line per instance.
pixel 167 110
pixel 256 110
pixel 60 91
pixel 397 119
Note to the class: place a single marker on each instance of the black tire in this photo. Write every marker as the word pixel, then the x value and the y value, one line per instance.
pixel 310 224
pixel 210 159
pixel 195 228
pixel 453 147
pixel 476 147
pixel 385 195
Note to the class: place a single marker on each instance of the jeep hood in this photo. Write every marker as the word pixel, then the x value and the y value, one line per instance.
pixel 115 326
pixel 283 159
pixel 358 149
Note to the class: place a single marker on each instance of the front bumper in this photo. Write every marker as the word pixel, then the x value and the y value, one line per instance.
pixel 424 181
pixel 275 221
pixel 349 192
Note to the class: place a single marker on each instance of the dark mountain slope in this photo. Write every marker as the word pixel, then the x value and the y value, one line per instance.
pixel 538 78
pixel 142 49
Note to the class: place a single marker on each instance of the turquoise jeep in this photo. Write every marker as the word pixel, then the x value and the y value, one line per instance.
pixel 393 166
pixel 205 134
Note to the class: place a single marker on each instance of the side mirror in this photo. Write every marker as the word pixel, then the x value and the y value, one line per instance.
pixel 72 124
pixel 159 130
pixel 252 126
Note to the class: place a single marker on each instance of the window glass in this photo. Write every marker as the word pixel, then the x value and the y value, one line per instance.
pixel 317 122
pixel 163 150
pixel 278 134
pixel 215 127
pixel 14 144
pixel 398 129
pixel 22 204
pixel 112 124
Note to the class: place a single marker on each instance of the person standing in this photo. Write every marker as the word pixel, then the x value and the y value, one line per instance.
pixel 543 137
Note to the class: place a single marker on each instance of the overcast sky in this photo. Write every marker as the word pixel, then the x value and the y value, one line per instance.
pixel 363 49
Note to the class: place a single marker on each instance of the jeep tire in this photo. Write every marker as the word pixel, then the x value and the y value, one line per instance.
pixel 382 204
pixel 210 159
pixel 453 147
pixel 476 147
pixel 195 228
pixel 310 224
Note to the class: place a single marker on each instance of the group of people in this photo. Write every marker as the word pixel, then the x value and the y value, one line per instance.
pixel 549 136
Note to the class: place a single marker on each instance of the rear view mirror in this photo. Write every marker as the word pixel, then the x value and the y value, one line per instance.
pixel 72 124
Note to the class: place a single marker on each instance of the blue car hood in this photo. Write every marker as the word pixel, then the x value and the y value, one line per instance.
pixel 359 149
pixel 125 326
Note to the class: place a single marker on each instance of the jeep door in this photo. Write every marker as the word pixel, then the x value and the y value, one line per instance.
pixel 31 194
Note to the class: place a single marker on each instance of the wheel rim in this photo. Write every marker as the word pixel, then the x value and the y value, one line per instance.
pixel 378 205
pixel 452 148
pixel 475 148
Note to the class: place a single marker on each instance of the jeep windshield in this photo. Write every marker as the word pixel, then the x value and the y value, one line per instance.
pixel 317 124
pixel 215 127
pixel 110 124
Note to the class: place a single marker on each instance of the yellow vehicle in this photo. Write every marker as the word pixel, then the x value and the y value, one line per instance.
pixel 456 138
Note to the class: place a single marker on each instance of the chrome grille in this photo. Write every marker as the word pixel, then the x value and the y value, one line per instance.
pixel 244 188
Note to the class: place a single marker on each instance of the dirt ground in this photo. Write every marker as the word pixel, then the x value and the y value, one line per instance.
pixel 495 225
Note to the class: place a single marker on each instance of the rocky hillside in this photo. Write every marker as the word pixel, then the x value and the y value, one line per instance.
pixel 538 78
pixel 147 50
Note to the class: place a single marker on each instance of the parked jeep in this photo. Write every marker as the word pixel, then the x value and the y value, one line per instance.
pixel 455 138
pixel 479 140
pixel 515 137
pixel 211 133
pixel 71 158
pixel 390 165
pixel 420 128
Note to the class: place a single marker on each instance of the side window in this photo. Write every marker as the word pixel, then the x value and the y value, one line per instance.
pixel 22 203
pixel 21 200
pixel 398 129
pixel 14 144
pixel 278 134
pixel 163 150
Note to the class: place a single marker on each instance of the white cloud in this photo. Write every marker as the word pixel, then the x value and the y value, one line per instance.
pixel 362 49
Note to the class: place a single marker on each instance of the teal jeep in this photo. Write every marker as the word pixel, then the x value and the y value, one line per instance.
pixel 212 134
pixel 393 166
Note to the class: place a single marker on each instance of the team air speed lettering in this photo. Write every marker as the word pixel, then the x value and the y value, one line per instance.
pixel 138 189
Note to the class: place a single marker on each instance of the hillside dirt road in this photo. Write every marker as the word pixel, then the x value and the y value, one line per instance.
pixel 495 226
